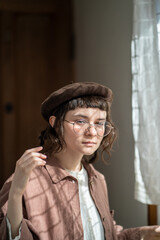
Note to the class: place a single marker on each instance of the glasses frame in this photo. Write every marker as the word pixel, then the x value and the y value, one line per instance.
pixel 92 124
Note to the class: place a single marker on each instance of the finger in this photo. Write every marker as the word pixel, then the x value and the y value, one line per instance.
pixel 157 229
pixel 35 154
pixel 119 228
pixel 26 167
pixel 33 162
pixel 36 149
pixel 31 155
pixel 114 222
pixel 40 155
pixel 24 170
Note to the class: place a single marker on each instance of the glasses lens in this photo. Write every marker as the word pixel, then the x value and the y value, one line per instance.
pixel 102 130
pixel 108 129
pixel 79 128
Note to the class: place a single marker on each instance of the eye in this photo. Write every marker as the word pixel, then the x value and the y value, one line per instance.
pixel 100 124
pixel 81 122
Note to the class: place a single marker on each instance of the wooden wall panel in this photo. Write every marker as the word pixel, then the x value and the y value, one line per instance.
pixel 39 6
pixel 152 215
pixel 7 92
pixel 35 60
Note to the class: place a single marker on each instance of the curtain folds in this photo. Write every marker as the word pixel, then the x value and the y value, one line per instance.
pixel 146 102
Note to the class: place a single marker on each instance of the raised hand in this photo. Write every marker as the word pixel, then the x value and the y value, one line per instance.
pixel 150 233
pixel 118 228
pixel 24 166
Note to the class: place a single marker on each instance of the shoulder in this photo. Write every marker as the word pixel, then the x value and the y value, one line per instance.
pixel 92 171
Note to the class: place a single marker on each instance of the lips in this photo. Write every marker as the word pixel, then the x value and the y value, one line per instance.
pixel 89 143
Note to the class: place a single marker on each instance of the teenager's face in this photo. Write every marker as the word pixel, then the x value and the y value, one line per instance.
pixel 87 142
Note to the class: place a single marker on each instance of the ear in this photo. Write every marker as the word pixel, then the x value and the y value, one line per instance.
pixel 52 120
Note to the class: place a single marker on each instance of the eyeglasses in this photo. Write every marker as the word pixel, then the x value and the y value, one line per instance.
pixel 81 126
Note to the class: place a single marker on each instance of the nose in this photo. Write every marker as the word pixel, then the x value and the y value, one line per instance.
pixel 91 130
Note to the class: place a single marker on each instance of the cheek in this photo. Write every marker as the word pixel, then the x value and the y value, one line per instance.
pixel 99 142
pixel 69 136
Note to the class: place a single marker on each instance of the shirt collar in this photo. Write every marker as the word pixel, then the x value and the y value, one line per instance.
pixel 57 173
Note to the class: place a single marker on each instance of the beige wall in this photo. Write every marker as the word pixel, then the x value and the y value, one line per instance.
pixel 103 34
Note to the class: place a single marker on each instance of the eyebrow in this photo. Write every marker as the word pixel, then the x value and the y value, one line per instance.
pixel 84 116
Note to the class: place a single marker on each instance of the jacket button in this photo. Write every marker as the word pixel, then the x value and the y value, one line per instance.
pixel 103 219
pixel 91 181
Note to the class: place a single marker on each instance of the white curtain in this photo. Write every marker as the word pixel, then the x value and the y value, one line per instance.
pixel 146 102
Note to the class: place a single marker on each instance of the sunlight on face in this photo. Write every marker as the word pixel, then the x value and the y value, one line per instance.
pixel 88 141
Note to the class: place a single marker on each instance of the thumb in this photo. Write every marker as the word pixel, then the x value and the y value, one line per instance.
pixel 157 229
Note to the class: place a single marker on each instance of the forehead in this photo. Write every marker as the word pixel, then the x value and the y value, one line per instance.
pixel 95 113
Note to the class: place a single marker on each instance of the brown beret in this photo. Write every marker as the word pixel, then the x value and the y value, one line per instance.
pixel 72 91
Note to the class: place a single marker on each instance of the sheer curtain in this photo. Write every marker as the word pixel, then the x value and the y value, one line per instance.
pixel 146 101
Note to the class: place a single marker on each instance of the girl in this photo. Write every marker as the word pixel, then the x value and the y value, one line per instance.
pixel 55 192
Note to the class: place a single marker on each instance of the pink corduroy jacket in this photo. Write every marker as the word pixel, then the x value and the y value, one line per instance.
pixel 51 206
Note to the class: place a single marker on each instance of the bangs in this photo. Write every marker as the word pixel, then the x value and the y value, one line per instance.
pixel 52 139
pixel 88 102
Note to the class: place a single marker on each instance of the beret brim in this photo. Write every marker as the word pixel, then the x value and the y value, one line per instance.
pixel 72 91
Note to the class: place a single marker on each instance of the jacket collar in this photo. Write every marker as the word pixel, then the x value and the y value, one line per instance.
pixel 57 173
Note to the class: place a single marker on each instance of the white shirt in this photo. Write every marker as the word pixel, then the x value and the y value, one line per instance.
pixel 92 225
pixel 9 230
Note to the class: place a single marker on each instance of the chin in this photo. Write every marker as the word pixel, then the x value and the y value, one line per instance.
pixel 88 150
pixel 88 153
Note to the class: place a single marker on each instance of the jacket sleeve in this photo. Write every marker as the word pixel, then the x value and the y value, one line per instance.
pixel 130 234
pixel 10 233
pixel 27 230
pixel 127 234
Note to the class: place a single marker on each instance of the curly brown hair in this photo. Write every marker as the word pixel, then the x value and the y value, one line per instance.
pixel 52 137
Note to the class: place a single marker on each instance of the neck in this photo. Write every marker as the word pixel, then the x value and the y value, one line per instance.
pixel 69 161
